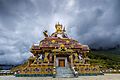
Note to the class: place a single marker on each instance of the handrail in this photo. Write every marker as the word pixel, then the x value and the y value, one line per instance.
pixel 74 71
pixel 54 72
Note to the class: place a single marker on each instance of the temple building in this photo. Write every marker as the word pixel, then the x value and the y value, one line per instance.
pixel 57 55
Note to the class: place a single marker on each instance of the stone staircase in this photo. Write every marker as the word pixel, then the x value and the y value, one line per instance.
pixel 64 72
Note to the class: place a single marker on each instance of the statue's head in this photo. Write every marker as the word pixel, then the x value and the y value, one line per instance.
pixel 58 27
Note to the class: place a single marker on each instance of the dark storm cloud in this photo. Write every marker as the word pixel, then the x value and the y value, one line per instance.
pixel 92 22
pixel 98 23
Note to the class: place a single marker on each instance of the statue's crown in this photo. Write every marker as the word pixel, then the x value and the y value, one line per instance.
pixel 58 25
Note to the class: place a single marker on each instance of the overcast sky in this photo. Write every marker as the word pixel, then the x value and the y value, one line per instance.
pixel 92 22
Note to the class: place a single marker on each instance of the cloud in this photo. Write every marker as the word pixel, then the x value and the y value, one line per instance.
pixel 96 23
pixel 92 22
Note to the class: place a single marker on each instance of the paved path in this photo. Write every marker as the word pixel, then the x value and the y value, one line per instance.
pixel 101 77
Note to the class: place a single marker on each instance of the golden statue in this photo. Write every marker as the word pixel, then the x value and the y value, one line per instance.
pixel 60 32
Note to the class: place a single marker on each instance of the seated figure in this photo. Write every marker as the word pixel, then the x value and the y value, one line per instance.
pixel 59 32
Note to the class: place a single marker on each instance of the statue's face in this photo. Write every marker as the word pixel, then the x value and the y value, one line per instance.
pixel 59 28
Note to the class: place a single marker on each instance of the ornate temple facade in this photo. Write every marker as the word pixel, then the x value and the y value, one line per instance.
pixel 58 55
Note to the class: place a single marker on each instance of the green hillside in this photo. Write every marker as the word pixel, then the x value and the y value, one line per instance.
pixel 106 58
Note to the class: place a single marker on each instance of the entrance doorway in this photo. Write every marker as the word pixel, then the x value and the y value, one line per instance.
pixel 61 62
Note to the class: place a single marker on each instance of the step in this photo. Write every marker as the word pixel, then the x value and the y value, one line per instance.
pixel 65 75
pixel 64 72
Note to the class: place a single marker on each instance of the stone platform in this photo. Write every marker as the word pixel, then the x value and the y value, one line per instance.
pixel 100 77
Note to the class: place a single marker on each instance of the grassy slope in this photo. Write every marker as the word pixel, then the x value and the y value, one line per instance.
pixel 106 58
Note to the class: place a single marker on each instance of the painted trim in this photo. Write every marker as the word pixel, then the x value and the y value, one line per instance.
pixel 32 75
